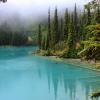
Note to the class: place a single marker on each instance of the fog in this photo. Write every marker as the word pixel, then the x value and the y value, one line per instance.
pixel 23 16
pixel 35 9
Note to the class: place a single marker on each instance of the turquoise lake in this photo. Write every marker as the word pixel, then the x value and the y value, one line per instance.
pixel 27 77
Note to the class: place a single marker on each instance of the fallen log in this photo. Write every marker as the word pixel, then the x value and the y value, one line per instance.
pixel 95 95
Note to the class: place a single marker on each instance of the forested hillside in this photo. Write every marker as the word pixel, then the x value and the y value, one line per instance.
pixel 16 32
pixel 75 35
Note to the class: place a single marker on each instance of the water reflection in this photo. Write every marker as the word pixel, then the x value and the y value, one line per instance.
pixel 24 77
pixel 16 52
pixel 77 83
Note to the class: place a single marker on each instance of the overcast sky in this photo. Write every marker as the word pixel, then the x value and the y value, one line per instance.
pixel 36 7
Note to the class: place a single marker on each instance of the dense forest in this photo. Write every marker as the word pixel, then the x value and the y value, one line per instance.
pixel 75 35
pixel 14 31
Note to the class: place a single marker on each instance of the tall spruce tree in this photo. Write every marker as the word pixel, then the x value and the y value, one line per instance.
pixel 88 9
pixel 61 30
pixel 55 27
pixel 49 31
pixel 75 22
pixel 44 43
pixel 47 42
pixel 39 36
pixel 84 23
pixel 71 33
pixel 66 24
pixel 98 14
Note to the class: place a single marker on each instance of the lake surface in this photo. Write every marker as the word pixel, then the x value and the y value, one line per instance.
pixel 27 77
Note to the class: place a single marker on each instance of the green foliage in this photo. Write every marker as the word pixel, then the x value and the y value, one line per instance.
pixel 43 43
pixel 93 11
pixel 71 53
pixel 90 52
pixel 93 31
pixel 61 30
pixel 76 32
pixel 66 25
pixel 48 53
pixel 92 45
pixel 40 37
pixel 61 46
pixel 97 17
pixel 49 32
pixel 55 27
pixel 70 40
pixel 8 37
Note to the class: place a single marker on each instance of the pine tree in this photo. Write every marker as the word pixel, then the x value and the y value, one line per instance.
pixel 55 27
pixel 75 19
pixel 49 31
pixel 84 18
pixel 71 44
pixel 98 14
pixel 47 42
pixel 44 43
pixel 71 33
pixel 75 22
pixel 87 7
pixel 61 30
pixel 83 24
pixel 39 36
pixel 66 22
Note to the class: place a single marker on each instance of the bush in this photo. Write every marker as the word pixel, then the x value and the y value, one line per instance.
pixel 60 46
pixel 71 53
pixel 47 52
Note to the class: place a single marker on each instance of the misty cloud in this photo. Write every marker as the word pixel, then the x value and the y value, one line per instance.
pixel 35 9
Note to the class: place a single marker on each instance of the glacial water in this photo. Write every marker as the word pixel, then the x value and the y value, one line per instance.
pixel 24 76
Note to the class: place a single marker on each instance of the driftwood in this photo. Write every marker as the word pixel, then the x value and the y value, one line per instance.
pixel 95 95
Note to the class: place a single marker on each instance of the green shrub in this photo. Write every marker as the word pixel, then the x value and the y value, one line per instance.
pixel 47 52
pixel 71 53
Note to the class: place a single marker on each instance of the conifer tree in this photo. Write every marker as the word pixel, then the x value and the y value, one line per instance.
pixel 49 31
pixel 55 27
pixel 98 14
pixel 71 33
pixel 47 42
pixel 39 36
pixel 66 22
pixel 44 43
pixel 84 17
pixel 75 22
pixel 75 19
pixel 87 7
pixel 61 30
